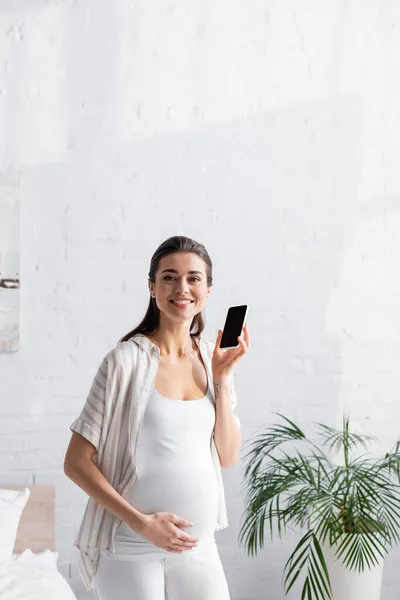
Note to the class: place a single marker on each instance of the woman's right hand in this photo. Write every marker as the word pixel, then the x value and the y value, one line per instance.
pixel 163 530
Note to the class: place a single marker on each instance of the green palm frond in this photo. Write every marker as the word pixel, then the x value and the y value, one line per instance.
pixel 336 440
pixel 354 507
pixel 308 556
pixel 276 435
pixel 391 461
pixel 361 550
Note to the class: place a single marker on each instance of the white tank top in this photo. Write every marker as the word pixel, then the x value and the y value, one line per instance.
pixel 175 473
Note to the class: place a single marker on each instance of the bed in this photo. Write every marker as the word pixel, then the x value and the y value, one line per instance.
pixel 28 562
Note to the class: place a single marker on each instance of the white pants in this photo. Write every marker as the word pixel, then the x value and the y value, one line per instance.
pixel 178 577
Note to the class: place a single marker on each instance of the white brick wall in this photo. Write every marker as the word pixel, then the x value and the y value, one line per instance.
pixel 267 130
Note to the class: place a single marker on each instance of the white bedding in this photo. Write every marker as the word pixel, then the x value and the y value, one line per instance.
pixel 30 576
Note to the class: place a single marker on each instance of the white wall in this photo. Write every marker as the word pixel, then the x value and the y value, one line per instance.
pixel 269 131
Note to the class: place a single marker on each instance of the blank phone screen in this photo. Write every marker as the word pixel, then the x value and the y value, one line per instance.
pixel 233 325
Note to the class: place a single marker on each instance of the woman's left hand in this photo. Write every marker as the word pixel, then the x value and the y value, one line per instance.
pixel 223 361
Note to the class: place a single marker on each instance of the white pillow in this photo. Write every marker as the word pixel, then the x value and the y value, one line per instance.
pixel 12 504
pixel 34 577
pixel 47 558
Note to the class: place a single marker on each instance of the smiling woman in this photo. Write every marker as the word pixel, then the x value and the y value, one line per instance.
pixel 156 419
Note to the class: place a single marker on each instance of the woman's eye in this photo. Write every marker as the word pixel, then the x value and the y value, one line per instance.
pixel 169 277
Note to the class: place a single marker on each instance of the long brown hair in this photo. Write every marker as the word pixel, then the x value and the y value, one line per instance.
pixel 151 320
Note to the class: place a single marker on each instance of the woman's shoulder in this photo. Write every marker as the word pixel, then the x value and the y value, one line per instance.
pixel 122 354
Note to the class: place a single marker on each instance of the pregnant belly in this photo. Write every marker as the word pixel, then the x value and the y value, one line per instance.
pixel 188 493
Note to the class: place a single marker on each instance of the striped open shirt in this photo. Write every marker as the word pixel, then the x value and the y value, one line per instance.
pixel 111 419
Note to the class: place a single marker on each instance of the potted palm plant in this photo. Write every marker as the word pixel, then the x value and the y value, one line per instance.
pixel 347 509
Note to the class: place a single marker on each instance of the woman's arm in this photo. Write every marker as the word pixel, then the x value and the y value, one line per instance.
pixel 80 468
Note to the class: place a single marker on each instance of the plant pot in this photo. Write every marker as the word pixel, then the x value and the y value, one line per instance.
pixel 352 585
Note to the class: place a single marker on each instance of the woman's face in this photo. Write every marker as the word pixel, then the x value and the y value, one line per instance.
pixel 180 275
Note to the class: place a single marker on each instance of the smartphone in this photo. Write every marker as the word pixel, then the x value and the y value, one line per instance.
pixel 235 319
